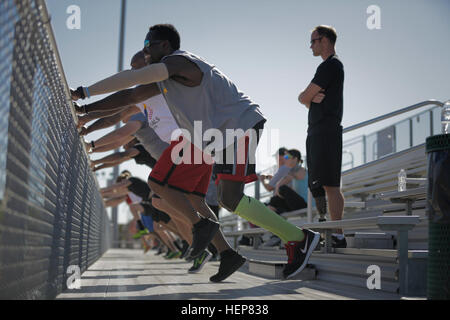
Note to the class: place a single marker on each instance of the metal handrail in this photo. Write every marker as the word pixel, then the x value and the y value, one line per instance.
pixel 393 114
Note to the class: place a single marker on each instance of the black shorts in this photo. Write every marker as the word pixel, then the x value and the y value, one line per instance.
pixel 240 164
pixel 278 203
pixel 324 159
pixel 147 208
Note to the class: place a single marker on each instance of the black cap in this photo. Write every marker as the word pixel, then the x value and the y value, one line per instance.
pixel 282 151
pixel 296 154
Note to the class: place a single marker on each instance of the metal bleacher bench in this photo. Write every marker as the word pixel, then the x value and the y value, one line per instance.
pixel 399 224
pixel 371 202
pixel 408 197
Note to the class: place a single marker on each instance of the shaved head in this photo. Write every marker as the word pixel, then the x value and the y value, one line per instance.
pixel 138 60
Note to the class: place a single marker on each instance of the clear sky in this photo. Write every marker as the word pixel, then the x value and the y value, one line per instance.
pixel 263 46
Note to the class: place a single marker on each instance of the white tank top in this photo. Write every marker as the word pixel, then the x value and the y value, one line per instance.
pixel 134 198
pixel 159 117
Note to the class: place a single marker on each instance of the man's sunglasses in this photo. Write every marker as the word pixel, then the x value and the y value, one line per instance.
pixel 147 43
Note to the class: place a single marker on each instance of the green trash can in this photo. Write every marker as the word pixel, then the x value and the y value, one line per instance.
pixel 438 211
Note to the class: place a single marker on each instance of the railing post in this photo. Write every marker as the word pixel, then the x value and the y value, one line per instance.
pixel 309 208
pixel 402 251
pixel 257 190
pixel 364 149
pixel 411 142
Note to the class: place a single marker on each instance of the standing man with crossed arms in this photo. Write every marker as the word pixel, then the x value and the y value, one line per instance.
pixel 324 99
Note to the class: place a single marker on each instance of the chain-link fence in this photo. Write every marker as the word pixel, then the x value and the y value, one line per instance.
pixel 51 213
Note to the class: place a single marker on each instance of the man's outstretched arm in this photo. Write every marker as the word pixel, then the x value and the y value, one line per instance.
pixel 106 165
pixel 118 185
pixel 119 134
pixel 117 157
pixel 123 80
pixel 111 120
pixel 112 146
pixel 148 76
pixel 123 98
pixel 115 201
pixel 83 119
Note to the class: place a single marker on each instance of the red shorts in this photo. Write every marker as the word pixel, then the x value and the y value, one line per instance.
pixel 237 162
pixel 189 176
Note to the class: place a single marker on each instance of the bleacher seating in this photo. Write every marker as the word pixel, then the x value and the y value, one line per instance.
pixel 371 195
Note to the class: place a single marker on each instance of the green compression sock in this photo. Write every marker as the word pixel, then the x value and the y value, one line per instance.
pixel 257 213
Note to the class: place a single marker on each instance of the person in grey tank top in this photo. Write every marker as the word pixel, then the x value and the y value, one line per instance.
pixel 197 91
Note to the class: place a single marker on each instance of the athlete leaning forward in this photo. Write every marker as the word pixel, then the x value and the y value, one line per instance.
pixel 154 135
pixel 196 91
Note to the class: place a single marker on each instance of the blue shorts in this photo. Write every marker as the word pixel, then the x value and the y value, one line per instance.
pixel 148 222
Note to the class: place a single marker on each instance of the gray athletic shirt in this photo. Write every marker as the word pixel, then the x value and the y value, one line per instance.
pixel 148 137
pixel 282 172
pixel 217 102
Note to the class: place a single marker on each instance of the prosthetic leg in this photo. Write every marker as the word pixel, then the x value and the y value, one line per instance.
pixel 318 194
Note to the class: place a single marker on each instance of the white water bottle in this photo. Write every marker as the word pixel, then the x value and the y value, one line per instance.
pixel 445 117
pixel 402 180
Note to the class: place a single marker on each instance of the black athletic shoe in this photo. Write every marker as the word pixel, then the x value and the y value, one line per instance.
pixel 185 253
pixel 168 253
pixel 230 261
pixel 160 251
pixel 338 243
pixel 299 252
pixel 203 232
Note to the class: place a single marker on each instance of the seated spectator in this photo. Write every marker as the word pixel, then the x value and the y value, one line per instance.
pixel 292 191
pixel 269 182
pixel 285 198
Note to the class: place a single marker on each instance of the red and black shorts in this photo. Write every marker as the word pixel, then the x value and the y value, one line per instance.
pixel 190 175
pixel 237 162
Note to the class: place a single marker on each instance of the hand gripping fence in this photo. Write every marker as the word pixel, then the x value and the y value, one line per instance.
pixel 52 215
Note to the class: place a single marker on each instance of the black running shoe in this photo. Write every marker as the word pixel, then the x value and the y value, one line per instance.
pixel 299 252
pixel 230 261
pixel 203 232
pixel 185 253
pixel 168 253
pixel 338 243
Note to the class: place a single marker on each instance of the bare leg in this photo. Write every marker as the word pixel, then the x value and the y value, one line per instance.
pixel 135 210
pixel 165 237
pixel 335 203
pixel 177 200
pixel 183 224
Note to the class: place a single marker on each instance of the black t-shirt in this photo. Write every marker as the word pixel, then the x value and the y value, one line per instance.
pixel 144 157
pixel 327 115
pixel 139 188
